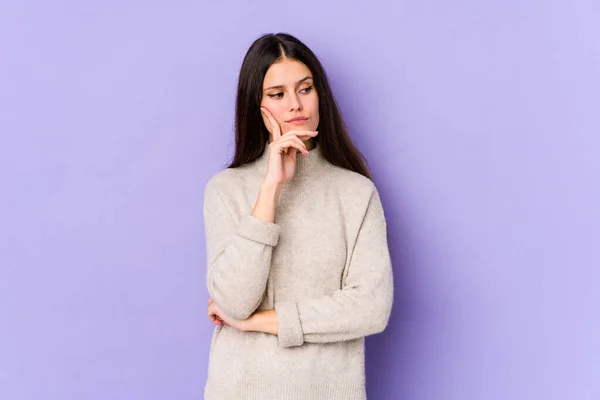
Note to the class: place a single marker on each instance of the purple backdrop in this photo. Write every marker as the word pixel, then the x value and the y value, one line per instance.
pixel 480 121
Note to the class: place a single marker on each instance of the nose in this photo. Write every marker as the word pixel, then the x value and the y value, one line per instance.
pixel 295 103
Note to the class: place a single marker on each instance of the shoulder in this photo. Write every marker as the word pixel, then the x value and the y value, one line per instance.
pixel 346 181
pixel 358 193
pixel 226 184
pixel 221 179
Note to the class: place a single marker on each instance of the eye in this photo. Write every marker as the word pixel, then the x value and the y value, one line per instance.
pixel 307 90
pixel 275 95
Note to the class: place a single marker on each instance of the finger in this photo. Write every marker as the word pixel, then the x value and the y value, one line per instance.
pixel 216 320
pixel 274 125
pixel 293 148
pixel 286 148
pixel 273 122
pixel 292 141
pixel 292 152
pixel 293 138
pixel 302 134
pixel 213 313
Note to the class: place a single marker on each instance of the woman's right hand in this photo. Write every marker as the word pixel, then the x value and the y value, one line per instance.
pixel 282 151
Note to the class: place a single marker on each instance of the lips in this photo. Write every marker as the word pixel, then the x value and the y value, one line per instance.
pixel 297 120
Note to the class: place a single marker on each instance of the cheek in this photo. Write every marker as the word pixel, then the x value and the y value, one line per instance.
pixel 315 112
pixel 274 108
pixel 313 103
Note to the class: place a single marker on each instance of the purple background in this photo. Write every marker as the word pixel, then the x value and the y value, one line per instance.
pixel 480 121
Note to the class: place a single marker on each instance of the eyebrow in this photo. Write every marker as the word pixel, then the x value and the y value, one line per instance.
pixel 282 86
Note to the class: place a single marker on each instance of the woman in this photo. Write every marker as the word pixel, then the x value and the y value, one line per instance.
pixel 298 264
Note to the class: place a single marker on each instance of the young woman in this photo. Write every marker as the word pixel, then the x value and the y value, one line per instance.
pixel 298 269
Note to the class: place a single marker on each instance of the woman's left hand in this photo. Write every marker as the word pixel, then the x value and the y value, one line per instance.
pixel 217 315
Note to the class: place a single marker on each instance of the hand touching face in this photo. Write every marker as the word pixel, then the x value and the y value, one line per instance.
pixel 290 97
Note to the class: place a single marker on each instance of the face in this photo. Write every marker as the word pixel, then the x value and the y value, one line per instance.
pixel 290 96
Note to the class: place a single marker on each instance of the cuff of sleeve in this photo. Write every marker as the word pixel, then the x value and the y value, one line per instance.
pixel 289 326
pixel 258 230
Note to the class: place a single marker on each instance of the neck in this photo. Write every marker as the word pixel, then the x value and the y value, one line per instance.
pixel 307 167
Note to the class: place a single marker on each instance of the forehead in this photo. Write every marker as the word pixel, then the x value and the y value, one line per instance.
pixel 286 72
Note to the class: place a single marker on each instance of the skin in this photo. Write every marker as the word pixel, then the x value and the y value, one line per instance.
pixel 288 92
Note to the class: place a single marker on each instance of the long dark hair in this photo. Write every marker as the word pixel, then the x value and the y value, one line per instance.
pixel 251 135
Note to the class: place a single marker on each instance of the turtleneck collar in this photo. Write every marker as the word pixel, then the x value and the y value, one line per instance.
pixel 306 166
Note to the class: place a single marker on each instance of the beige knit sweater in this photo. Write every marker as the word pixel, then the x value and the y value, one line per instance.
pixel 324 266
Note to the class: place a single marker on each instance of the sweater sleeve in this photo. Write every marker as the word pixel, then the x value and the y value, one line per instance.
pixel 361 307
pixel 238 252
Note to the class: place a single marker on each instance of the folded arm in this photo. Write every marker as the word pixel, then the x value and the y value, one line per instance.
pixel 361 307
pixel 238 255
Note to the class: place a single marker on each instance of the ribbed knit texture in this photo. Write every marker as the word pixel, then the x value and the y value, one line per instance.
pixel 324 266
